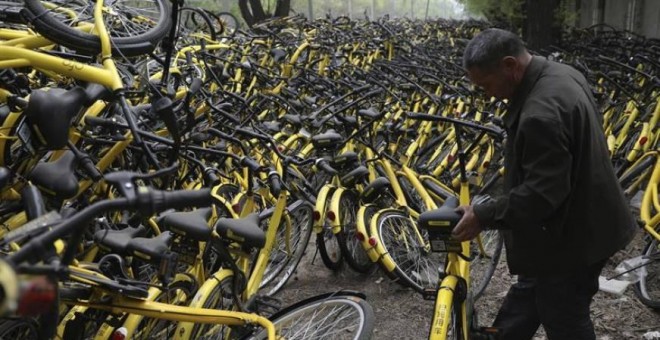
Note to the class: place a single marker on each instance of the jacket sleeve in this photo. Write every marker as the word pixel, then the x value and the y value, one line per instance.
pixel 545 168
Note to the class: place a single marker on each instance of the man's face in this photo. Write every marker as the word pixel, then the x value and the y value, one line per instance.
pixel 497 82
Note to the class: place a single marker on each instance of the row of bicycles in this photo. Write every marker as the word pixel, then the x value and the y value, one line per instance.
pixel 162 176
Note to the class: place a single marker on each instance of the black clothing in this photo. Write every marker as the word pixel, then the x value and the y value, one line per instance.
pixel 560 302
pixel 564 208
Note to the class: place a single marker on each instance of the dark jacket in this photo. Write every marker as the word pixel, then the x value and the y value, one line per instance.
pixel 564 208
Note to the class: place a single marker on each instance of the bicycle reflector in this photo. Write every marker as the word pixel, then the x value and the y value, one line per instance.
pixel 317 215
pixel 120 334
pixel 331 215
pixel 37 295
pixel 439 223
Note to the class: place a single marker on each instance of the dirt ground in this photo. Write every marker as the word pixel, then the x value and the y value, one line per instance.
pixel 402 314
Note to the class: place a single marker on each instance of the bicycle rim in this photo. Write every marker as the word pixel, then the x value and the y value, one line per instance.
pixel 329 249
pixel 417 265
pixel 351 246
pixel 283 262
pixel 18 329
pixel 336 318
pixel 648 287
pixel 219 298
pixel 134 26
pixel 484 264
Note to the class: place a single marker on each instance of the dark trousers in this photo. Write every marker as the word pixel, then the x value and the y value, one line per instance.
pixel 559 302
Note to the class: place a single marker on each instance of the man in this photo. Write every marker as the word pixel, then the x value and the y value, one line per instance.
pixel 563 213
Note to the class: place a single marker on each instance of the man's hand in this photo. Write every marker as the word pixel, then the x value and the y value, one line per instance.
pixel 468 227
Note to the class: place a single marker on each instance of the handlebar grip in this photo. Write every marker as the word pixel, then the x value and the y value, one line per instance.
pixel 157 200
pixel 210 178
pixel 104 122
pixel 323 164
pixel 250 164
pixel 90 169
pixel 248 133
pixel 275 183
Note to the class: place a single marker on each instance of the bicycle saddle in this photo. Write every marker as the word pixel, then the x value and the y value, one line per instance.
pixel 193 224
pixel 272 126
pixel 327 140
pixel 151 249
pixel 50 113
pixel 345 160
pixel 245 230
pixel 355 176
pixel 375 189
pixel 443 217
pixel 116 241
pixel 278 54
pixel 57 178
pixel 292 119
pixel 370 113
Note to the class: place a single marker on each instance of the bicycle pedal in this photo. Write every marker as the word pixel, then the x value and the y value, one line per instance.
pixel 429 294
pixel 485 333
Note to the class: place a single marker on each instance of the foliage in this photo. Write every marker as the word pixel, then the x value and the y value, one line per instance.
pixel 509 12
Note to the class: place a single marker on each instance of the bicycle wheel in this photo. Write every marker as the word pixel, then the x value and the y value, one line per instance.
pixel 335 317
pixel 327 242
pixel 633 178
pixel 407 247
pixel 648 287
pixel 228 22
pixel 179 294
pixel 289 249
pixel 350 244
pixel 484 264
pixel 19 329
pixel 194 25
pixel 135 26
pixel 219 298
pixel 413 198
pixel 454 324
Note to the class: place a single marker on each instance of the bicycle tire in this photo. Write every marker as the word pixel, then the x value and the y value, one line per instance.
pixel 647 289
pixel 633 173
pixel 301 217
pixel 218 298
pixel 327 244
pixel 351 247
pixel 413 198
pixel 19 329
pixel 455 329
pixel 483 265
pixel 195 21
pixel 155 328
pixel 416 266
pixel 128 44
pixel 336 317
pixel 229 22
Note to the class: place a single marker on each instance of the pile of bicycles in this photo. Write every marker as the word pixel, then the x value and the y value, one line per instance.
pixel 162 174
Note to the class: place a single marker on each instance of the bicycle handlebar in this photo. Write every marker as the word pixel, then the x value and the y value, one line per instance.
pixel 490 129
pixel 146 200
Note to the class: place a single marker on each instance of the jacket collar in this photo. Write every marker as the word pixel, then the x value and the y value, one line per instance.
pixel 532 74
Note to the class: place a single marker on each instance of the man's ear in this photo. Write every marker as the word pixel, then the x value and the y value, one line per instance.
pixel 509 63
pixel 510 66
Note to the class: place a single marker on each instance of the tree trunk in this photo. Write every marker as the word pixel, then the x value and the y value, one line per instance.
pixel 253 12
pixel 283 8
pixel 540 28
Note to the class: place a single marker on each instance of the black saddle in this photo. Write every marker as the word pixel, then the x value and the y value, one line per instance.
pixel 193 224
pixel 245 230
